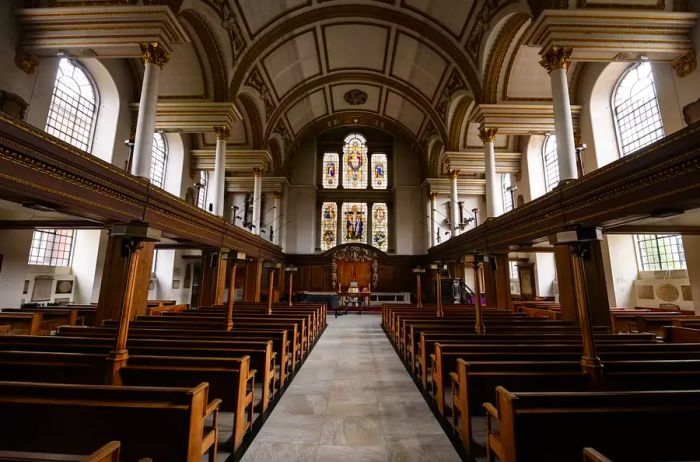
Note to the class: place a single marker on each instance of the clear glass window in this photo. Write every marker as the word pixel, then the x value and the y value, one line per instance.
pixel 506 187
pixel 159 160
pixel 51 247
pixel 551 163
pixel 660 252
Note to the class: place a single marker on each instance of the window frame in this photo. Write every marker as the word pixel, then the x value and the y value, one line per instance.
pixel 613 109
pixel 166 152
pixel 640 260
pixel 543 156
pixel 202 192
pixel 52 259
pixel 507 193
pixel 95 90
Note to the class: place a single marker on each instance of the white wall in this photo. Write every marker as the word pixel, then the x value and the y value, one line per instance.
pixel 86 246
pixel 14 247
pixel 691 245
pixel 621 269
pixel 545 273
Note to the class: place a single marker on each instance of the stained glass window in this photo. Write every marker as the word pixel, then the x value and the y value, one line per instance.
pixel 379 171
pixel 159 160
pixel 73 106
pixel 380 226
pixel 51 247
pixel 637 110
pixel 354 222
pixel 551 163
pixel 329 225
pixel 355 162
pixel 331 170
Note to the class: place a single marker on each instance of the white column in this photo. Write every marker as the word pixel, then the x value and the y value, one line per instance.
pixel 556 62
pixel 154 57
pixel 433 225
pixel 276 218
pixel 494 201
pixel 222 134
pixel 257 199
pixel 454 199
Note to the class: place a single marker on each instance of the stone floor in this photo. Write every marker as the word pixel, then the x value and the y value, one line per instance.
pixel 352 401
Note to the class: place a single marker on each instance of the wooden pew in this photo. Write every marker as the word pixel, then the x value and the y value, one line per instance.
pixel 613 422
pixel 674 334
pixel 107 453
pixel 165 424
pixel 280 339
pixel 229 379
pixel 159 309
pixel 22 323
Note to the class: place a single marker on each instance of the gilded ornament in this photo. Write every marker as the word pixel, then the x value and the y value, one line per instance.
pixel 222 133
pixel 487 135
pixel 154 53
pixel 685 64
pixel 556 58
pixel 453 173
pixel 355 97
pixel 26 61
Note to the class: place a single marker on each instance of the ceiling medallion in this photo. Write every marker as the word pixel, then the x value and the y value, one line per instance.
pixel 355 97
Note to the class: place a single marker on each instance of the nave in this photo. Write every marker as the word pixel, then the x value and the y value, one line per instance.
pixel 352 401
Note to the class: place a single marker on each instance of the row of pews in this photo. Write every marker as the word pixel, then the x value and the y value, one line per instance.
pixel 519 391
pixel 188 383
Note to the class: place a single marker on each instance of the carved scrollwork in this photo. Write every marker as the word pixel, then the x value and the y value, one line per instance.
pixel 355 253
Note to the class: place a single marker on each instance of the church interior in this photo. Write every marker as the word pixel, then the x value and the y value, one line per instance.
pixel 396 230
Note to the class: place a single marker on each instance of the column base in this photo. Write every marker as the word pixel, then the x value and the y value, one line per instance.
pixel 480 329
pixel 113 364
pixel 593 367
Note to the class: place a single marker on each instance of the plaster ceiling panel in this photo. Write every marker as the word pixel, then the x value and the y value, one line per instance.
pixel 258 14
pixel 356 46
pixel 292 62
pixel 182 76
pixel 238 134
pixel 527 79
pixel 418 64
pixel 339 92
pixel 451 15
pixel 407 113
pixel 307 110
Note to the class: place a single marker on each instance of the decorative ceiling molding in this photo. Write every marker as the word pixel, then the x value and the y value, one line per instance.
pixel 252 120
pixel 472 162
pixel 72 31
pixel 499 54
pixel 237 161
pixel 521 119
pixel 193 116
pixel 356 78
pixel 475 186
pixel 210 47
pixel 614 35
pixel 437 38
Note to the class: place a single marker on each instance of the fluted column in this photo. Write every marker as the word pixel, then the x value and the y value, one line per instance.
pixel 556 62
pixel 454 206
pixel 154 57
pixel 222 134
pixel 276 218
pixel 433 226
pixel 257 199
pixel 494 203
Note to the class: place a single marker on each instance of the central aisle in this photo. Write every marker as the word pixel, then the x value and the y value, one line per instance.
pixel 352 401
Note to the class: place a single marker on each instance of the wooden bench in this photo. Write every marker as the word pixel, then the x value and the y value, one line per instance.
pixel 614 422
pixel 159 309
pixel 591 455
pixel 164 424
pixel 22 323
pixel 107 453
pixel 230 379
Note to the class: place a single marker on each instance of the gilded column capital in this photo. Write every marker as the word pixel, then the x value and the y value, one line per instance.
pixel 154 53
pixel 556 58
pixel 222 133
pixel 685 64
pixel 433 195
pixel 25 61
pixel 257 171
pixel 487 135
pixel 453 173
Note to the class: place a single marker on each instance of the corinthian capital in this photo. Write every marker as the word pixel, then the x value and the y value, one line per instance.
pixel 154 53
pixel 222 133
pixel 487 135
pixel 556 58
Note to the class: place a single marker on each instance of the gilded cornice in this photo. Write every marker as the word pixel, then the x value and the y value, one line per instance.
pixel 498 56
pixel 685 64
